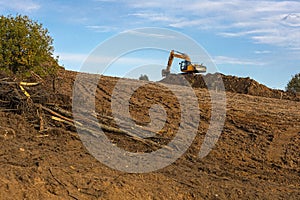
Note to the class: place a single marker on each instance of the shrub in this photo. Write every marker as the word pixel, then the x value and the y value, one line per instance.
pixel 25 46
pixel 294 84
pixel 144 77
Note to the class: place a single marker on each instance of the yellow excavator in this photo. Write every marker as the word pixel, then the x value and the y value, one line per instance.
pixel 186 66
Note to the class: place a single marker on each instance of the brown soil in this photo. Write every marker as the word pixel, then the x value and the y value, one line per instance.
pixel 256 157
pixel 231 84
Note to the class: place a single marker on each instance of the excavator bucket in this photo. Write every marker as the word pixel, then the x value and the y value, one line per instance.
pixel 164 73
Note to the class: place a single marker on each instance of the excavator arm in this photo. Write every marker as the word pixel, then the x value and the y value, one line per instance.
pixel 174 54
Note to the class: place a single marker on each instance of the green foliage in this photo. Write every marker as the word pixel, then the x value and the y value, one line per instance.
pixel 25 46
pixel 294 84
pixel 144 77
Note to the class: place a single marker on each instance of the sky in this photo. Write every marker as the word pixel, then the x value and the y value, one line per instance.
pixel 256 39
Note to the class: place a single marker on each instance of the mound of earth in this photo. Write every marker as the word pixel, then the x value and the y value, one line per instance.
pixel 231 84
pixel 42 155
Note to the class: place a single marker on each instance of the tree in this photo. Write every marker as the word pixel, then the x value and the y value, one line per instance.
pixel 25 46
pixel 144 77
pixel 294 84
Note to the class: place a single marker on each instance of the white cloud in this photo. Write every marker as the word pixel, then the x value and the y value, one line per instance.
pixel 235 61
pixel 153 16
pixel 101 29
pixel 197 23
pixel 268 21
pixel 153 35
pixel 20 5
pixel 262 52
pixel 292 20
pixel 295 48
pixel 247 33
pixel 146 4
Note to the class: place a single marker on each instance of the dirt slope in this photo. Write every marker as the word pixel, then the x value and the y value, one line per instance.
pixel 256 157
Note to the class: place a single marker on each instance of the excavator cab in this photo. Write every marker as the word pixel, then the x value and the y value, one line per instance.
pixel 184 65
pixel 189 67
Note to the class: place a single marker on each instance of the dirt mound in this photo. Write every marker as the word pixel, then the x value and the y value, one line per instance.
pixel 42 156
pixel 231 84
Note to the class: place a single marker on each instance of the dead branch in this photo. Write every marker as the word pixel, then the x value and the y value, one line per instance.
pixel 28 84
pixel 41 119
pixel 19 96
pixel 8 83
pixel 62 111
pixel 36 76
pixel 2 101
pixel 56 114
pixel 24 91
pixel 7 110
pixel 3 79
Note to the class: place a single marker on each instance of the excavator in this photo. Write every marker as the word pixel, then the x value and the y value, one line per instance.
pixel 186 66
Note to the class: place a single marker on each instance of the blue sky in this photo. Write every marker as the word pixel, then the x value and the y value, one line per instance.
pixel 257 39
